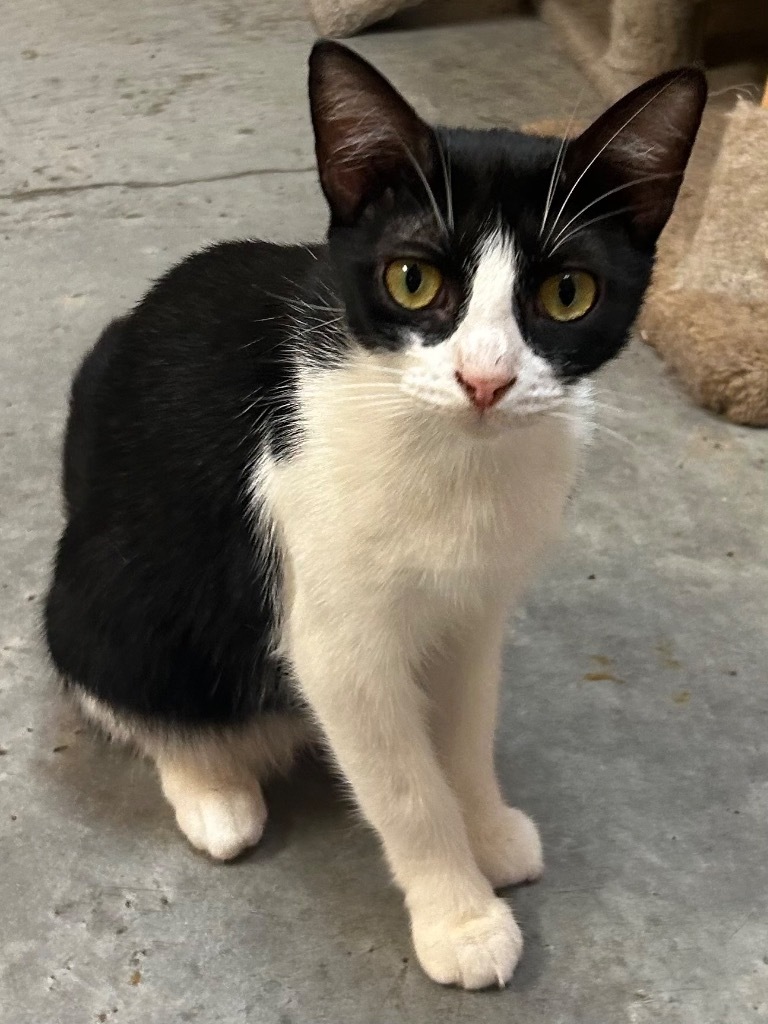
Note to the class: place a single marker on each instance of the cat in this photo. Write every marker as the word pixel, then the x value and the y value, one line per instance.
pixel 304 485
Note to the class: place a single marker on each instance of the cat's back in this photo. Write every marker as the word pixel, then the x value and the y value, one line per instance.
pixel 230 301
pixel 183 390
pixel 232 298
pixel 162 585
pixel 233 276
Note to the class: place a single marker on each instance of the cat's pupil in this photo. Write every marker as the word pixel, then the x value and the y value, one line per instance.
pixel 566 290
pixel 413 278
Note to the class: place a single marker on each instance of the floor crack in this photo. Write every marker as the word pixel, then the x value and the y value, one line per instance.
pixel 23 194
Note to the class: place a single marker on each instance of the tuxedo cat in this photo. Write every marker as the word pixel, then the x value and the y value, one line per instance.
pixel 305 484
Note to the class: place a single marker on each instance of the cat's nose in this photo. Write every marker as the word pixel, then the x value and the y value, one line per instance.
pixel 485 389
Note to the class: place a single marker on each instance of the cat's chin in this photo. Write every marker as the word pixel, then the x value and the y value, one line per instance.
pixel 496 423
pixel 483 426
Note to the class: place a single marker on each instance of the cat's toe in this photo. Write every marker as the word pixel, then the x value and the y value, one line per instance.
pixel 507 848
pixel 473 953
pixel 222 822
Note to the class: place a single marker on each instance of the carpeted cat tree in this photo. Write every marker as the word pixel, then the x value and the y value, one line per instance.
pixel 346 17
pixel 707 312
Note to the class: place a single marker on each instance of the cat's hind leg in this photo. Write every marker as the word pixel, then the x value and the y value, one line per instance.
pixel 219 807
pixel 212 777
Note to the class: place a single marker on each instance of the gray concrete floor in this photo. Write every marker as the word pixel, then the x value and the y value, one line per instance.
pixel 635 718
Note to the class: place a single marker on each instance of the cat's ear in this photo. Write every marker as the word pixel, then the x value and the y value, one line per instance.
pixel 642 145
pixel 366 135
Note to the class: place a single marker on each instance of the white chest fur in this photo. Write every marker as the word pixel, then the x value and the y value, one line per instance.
pixel 387 502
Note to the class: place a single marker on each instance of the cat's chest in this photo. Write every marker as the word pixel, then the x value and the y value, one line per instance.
pixel 380 499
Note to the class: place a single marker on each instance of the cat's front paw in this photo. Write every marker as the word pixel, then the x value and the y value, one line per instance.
pixel 507 847
pixel 221 822
pixel 474 951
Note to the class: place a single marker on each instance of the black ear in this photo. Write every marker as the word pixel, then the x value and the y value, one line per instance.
pixel 366 136
pixel 641 146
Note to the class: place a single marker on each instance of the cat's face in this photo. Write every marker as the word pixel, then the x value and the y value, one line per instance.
pixel 492 311
pixel 491 270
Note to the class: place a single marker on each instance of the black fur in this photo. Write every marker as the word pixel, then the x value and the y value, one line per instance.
pixel 162 602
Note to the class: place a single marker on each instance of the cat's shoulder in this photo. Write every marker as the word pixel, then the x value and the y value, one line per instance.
pixel 243 268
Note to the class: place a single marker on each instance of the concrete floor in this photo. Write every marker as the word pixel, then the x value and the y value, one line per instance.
pixel 635 720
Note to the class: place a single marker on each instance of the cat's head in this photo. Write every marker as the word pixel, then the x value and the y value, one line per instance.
pixel 498 267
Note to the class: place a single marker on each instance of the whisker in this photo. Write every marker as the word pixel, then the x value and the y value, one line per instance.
pixel 598 426
pixel 595 398
pixel 353 382
pixel 447 180
pixel 610 432
pixel 312 315
pixel 605 195
pixel 603 148
pixel 614 410
pixel 350 389
pixel 588 224
pixel 315 328
pixel 427 188
pixel 371 401
pixel 559 159
pixel 296 300
pixel 389 369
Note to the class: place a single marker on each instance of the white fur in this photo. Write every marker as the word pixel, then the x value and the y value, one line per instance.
pixel 408 523
pixel 488 338
pixel 221 812
pixel 211 779
pixel 487 341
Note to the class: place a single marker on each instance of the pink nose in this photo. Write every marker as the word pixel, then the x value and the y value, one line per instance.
pixel 485 390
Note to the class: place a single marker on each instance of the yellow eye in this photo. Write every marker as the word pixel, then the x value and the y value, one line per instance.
pixel 413 284
pixel 569 295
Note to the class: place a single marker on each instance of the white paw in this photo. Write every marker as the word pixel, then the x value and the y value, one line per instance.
pixel 221 822
pixel 472 952
pixel 507 847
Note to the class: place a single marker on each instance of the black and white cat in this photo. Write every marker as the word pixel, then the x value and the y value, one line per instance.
pixel 304 485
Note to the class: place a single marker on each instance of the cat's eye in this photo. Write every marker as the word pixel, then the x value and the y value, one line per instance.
pixel 568 296
pixel 413 284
